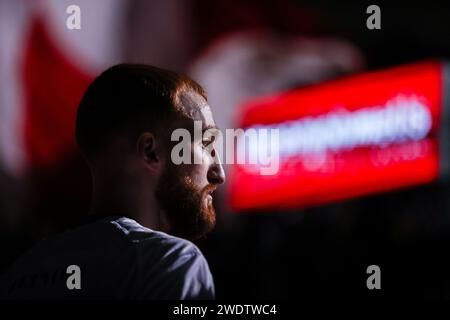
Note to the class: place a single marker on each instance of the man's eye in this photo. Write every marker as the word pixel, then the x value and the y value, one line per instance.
pixel 206 142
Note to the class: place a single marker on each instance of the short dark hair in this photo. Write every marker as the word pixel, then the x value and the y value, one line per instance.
pixel 122 97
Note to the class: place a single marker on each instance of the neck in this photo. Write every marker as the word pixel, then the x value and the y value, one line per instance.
pixel 128 200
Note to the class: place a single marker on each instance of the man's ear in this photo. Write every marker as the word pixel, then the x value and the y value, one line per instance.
pixel 149 151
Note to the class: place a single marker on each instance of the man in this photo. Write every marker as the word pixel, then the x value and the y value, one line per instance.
pixel 140 196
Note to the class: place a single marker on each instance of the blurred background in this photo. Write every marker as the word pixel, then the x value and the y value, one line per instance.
pixel 239 51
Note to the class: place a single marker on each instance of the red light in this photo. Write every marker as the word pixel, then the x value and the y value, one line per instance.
pixel 367 133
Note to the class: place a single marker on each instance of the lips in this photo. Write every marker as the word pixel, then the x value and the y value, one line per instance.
pixel 209 191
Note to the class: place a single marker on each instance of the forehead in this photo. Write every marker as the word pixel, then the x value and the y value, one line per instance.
pixel 196 108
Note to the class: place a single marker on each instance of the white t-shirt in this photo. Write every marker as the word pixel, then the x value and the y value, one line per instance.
pixel 117 259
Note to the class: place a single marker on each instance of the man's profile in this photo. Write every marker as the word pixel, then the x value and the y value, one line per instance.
pixel 143 205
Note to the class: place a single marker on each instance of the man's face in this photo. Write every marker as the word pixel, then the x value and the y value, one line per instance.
pixel 185 191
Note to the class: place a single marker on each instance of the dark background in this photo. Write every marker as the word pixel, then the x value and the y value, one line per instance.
pixel 320 251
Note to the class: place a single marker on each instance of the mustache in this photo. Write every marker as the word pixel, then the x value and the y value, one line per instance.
pixel 209 189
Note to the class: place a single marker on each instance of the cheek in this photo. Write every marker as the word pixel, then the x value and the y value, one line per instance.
pixel 198 172
pixel 201 155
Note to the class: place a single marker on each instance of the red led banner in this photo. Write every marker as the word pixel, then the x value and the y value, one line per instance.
pixel 359 135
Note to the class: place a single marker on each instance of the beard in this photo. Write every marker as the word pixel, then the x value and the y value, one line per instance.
pixel 190 214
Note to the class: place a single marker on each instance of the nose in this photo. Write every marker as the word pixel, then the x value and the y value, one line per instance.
pixel 216 174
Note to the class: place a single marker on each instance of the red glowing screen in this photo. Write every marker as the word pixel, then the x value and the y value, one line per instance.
pixel 363 134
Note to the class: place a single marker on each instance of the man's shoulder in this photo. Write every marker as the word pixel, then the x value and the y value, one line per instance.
pixel 140 236
pixel 169 267
pixel 162 266
pixel 106 236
